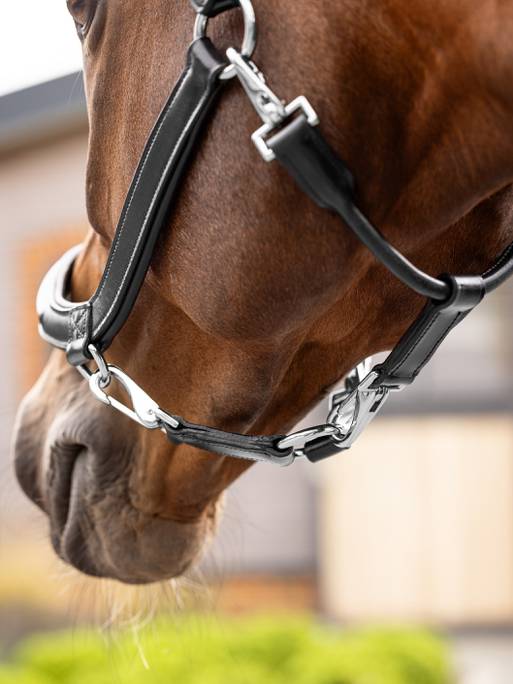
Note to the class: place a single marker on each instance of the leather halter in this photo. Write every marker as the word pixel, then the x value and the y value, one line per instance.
pixel 291 135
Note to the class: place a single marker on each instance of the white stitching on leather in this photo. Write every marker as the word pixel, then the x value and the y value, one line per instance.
pixel 132 194
pixel 439 340
pixel 504 257
pixel 171 159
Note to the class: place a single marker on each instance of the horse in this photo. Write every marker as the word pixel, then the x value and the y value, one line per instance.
pixel 257 301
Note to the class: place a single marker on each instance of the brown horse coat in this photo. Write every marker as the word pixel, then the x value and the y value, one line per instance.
pixel 257 300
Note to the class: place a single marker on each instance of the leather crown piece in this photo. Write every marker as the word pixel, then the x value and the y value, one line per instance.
pixel 318 170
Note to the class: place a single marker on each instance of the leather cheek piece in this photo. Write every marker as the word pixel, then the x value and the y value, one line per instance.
pixel 427 332
pixel 145 212
pixel 149 201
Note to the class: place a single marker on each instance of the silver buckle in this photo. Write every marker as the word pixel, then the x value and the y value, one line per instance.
pixel 350 411
pixel 268 105
pixel 260 135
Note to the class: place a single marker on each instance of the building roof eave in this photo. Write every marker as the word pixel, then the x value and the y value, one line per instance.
pixel 42 112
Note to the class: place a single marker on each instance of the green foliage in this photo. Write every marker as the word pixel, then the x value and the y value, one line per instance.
pixel 257 651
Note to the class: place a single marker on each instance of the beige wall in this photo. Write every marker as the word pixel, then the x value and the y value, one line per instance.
pixel 417 522
pixel 42 188
pixel 41 199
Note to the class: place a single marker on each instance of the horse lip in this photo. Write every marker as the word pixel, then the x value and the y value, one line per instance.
pixel 80 545
pixel 59 483
pixel 73 547
pixel 87 539
pixel 63 482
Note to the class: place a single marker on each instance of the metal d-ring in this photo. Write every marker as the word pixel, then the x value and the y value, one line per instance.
pixel 248 41
pixel 299 440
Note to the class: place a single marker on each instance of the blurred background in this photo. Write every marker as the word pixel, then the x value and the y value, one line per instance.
pixel 413 526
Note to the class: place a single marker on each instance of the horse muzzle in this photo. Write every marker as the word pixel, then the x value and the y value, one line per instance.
pixel 77 463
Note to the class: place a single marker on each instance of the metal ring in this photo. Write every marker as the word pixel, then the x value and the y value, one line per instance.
pixel 248 42
pixel 103 368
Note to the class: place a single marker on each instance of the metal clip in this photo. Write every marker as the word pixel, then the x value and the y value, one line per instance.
pixel 268 105
pixel 103 366
pixel 351 382
pixel 352 411
pixel 144 410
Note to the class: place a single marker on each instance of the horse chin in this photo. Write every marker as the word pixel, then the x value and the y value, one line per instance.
pixel 80 476
pixel 102 534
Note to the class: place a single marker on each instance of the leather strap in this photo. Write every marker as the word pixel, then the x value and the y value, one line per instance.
pixel 262 448
pixel 501 270
pixel 211 8
pixel 321 448
pixel 144 214
pixel 415 348
pixel 427 332
pixel 321 173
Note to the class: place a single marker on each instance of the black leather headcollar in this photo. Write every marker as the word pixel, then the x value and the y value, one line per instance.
pixel 299 146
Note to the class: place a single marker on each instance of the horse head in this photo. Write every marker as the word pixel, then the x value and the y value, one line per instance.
pixel 257 301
